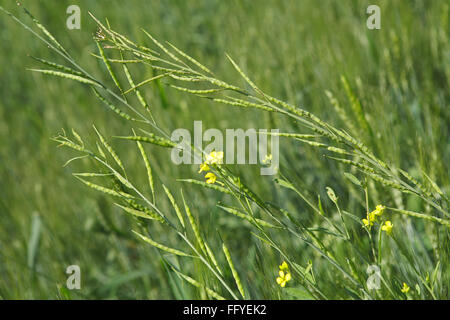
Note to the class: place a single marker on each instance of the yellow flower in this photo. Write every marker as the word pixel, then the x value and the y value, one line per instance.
pixel 283 278
pixel 203 167
pixel 284 266
pixel 405 288
pixel 378 210
pixel 372 216
pixel 284 274
pixel 211 177
pixel 387 227
pixel 215 157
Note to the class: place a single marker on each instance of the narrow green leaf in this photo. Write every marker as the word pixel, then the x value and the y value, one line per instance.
pixel 33 241
pixel 175 206
pixel 206 185
pixel 352 178
pixel 67 76
pixel 108 66
pixel 110 150
pixel 105 190
pixel 161 247
pixel 422 216
pixel 58 66
pixel 148 168
pixel 153 139
pixel 113 107
pixel 138 213
pixel 244 216
pixel 194 226
pixel 236 277
pixel 197 284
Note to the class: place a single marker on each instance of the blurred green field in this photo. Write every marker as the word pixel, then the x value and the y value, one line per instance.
pixel 294 50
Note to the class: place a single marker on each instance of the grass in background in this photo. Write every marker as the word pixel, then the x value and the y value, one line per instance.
pixel 387 87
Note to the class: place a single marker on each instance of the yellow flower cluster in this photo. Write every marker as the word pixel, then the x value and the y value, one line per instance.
pixel 214 158
pixel 387 227
pixel 372 216
pixel 405 288
pixel 284 274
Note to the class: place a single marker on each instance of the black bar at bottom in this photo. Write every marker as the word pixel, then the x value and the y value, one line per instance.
pixel 200 309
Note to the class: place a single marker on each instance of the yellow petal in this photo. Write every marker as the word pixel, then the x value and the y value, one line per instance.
pixel 288 276
pixel 279 280
pixel 203 167
pixel 405 288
